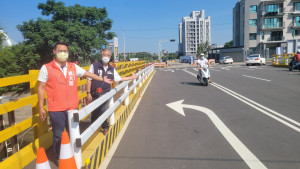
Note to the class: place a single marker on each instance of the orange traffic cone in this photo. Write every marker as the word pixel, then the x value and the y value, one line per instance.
pixel 66 156
pixel 42 160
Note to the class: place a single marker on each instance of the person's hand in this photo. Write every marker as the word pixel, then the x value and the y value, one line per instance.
pixel 134 76
pixel 89 98
pixel 106 80
pixel 43 115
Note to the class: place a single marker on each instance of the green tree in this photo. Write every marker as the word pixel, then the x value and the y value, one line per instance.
pixel 203 48
pixel 173 56
pixel 228 44
pixel 27 57
pixel 8 68
pixel 84 28
pixel 1 39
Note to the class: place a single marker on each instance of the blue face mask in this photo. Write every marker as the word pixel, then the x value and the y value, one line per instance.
pixel 202 57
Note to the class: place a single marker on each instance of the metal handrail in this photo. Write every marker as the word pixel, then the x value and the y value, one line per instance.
pixel 74 116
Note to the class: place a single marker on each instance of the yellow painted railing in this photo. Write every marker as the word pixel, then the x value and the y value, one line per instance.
pixel 42 134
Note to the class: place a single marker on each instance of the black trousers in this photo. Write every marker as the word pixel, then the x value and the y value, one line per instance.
pixel 99 111
pixel 59 121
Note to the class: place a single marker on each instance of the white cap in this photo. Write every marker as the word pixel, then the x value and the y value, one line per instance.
pixel 202 54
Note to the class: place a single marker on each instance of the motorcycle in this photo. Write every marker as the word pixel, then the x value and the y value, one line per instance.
pixel 294 65
pixel 205 75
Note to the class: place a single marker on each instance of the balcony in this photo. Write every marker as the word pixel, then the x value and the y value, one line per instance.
pixel 279 12
pixel 277 26
pixel 276 39
pixel 296 12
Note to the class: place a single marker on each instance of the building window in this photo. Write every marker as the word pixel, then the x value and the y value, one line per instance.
pixel 272 8
pixel 252 36
pixel 297 20
pixel 273 22
pixel 252 22
pixel 297 32
pixel 297 6
pixel 262 35
pixel 253 9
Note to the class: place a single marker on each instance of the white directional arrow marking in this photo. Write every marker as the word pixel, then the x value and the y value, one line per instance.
pixel 251 160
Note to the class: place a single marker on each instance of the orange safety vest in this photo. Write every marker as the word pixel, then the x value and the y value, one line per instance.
pixel 61 92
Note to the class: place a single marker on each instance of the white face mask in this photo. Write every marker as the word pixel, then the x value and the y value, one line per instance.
pixel 105 59
pixel 62 56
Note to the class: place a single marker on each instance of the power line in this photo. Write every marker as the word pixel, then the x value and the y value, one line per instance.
pixel 158 29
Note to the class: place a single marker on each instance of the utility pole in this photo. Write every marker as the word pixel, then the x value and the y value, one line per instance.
pixel 124 43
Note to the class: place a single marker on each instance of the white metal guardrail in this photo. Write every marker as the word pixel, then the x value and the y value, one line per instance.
pixel 74 116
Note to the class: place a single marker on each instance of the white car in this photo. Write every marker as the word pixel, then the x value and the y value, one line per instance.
pixel 226 59
pixel 255 59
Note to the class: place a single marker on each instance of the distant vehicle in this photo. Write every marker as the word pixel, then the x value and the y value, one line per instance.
pixel 185 59
pixel 226 59
pixel 134 59
pixel 255 59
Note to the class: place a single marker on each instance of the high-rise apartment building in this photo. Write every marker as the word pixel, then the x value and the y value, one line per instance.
pixel 260 26
pixel 194 30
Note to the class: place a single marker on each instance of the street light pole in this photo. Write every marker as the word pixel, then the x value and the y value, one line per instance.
pixel 124 43
pixel 159 48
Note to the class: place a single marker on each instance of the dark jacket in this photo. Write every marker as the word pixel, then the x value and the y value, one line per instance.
pixel 99 70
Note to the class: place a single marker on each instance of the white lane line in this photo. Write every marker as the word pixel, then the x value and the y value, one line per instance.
pixel 250 159
pixel 116 143
pixel 257 106
pixel 167 70
pixel 256 78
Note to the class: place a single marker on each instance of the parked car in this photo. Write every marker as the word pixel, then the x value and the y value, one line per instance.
pixel 255 59
pixel 226 59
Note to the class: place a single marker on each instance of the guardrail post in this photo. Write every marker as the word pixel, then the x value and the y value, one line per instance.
pixel 42 127
pixel 3 145
pixel 112 116
pixel 140 84
pixel 127 98
pixel 12 121
pixel 134 82
pixel 144 77
pixel 75 139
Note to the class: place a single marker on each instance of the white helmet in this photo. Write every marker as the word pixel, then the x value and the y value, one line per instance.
pixel 202 54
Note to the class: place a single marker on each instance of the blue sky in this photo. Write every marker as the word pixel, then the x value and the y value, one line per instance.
pixel 144 22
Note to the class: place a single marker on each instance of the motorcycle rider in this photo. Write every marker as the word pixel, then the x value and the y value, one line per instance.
pixel 296 58
pixel 201 62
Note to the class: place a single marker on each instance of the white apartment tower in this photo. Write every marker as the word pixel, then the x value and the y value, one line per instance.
pixel 194 30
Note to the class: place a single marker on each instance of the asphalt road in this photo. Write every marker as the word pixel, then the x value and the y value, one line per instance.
pixel 247 118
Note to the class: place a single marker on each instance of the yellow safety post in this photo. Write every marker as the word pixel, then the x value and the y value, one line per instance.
pixel 42 127
pixel 286 59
